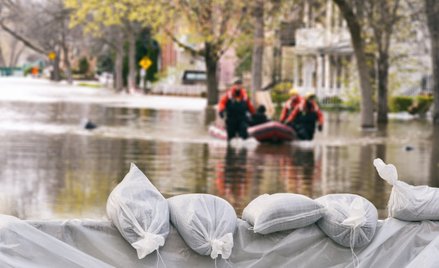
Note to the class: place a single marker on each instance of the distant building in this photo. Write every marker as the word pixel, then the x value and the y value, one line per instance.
pixel 321 56
pixel 322 51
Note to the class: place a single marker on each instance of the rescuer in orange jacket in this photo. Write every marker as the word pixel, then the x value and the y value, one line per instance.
pixel 234 106
pixel 290 104
pixel 304 117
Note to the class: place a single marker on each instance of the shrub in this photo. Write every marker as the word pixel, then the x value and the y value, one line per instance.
pixel 400 103
pixel 421 104
pixel 279 93
pixel 27 70
pixel 334 100
pixel 336 103
pixel 83 66
pixel 352 98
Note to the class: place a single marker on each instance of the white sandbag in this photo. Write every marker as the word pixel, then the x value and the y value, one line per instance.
pixel 205 222
pixel 140 212
pixel 283 211
pixel 350 220
pixel 408 202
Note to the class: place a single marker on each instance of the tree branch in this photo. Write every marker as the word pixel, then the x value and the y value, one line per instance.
pixel 21 38
pixel 181 44
pixel 233 36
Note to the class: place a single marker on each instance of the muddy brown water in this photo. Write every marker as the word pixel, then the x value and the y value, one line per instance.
pixel 52 168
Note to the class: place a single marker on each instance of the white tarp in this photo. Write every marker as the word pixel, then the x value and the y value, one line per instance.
pixel 90 243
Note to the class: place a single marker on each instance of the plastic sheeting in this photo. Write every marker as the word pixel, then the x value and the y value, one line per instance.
pixel 90 243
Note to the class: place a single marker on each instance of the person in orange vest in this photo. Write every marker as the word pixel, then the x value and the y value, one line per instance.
pixel 305 116
pixel 34 71
pixel 234 106
pixel 290 104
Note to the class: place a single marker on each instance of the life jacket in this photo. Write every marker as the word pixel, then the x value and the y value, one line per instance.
pixel 289 106
pixel 235 106
pixel 293 102
pixel 231 94
pixel 303 110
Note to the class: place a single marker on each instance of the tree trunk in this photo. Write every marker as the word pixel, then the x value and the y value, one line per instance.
pixel 258 48
pixel 118 68
pixel 367 118
pixel 65 49
pixel 67 64
pixel 14 47
pixel 211 59
pixel 383 17
pixel 132 62
pixel 383 74
pixel 432 11
pixel 17 56
pixel 434 157
pixel 2 59
pixel 276 75
pixel 56 76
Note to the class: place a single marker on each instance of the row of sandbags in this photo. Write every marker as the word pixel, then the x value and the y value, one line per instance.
pixel 207 223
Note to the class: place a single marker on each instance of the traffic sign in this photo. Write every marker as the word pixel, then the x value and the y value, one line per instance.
pixel 51 55
pixel 145 63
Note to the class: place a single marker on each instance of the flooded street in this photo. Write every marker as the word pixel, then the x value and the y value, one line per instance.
pixel 50 167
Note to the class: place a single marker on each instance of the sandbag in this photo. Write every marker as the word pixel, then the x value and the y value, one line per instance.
pixel 139 212
pixel 350 220
pixel 205 222
pixel 283 211
pixel 408 202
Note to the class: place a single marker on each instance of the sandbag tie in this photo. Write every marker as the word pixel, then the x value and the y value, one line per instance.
pixel 387 172
pixel 357 214
pixel 222 246
pixel 148 243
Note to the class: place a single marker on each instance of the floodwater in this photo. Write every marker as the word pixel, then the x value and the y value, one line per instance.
pixel 52 168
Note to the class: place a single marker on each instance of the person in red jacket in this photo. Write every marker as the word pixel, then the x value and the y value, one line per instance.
pixel 290 104
pixel 304 117
pixel 234 106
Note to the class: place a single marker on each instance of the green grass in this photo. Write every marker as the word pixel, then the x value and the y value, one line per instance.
pixel 91 85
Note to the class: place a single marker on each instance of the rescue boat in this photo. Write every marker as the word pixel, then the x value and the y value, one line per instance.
pixel 270 132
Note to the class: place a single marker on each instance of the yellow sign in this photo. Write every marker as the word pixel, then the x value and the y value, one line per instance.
pixel 145 63
pixel 52 55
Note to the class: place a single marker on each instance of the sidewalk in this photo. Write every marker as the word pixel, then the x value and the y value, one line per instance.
pixel 42 90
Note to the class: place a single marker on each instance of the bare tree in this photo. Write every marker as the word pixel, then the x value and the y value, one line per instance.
pixel 14 15
pixel 41 26
pixel 11 50
pixel 15 53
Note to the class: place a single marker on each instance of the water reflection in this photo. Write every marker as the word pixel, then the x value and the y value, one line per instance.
pixel 232 180
pixel 292 169
pixel 51 168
